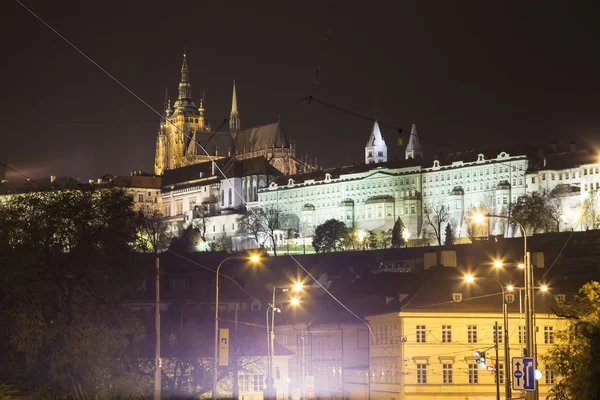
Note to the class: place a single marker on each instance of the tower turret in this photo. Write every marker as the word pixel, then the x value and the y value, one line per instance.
pixel 375 150
pixel 234 116
pixel 413 149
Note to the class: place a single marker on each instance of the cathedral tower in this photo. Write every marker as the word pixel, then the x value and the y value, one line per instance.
pixel 176 141
pixel 234 117
pixel 413 149
pixel 375 150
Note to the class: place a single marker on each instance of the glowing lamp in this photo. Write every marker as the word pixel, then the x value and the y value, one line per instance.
pixel 478 218
pixel 469 278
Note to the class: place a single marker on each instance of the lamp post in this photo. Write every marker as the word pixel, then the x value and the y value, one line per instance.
pixel 271 336
pixel 254 259
pixel 507 389
pixel 528 275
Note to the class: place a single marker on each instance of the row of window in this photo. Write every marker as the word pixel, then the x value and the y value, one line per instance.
pixel 422 371
pixel 472 333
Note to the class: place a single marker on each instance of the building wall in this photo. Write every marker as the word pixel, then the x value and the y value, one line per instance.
pixel 459 353
pixel 362 199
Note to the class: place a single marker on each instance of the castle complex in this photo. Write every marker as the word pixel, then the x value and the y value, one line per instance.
pixel 369 196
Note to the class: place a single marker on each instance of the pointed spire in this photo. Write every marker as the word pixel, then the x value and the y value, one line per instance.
pixel 413 149
pixel 234 116
pixel 376 149
pixel 185 88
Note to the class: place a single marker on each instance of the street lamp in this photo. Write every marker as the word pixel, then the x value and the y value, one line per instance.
pixel 528 275
pixel 254 259
pixel 507 391
pixel 498 264
pixel 271 337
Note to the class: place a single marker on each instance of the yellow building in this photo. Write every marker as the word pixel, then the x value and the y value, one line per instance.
pixel 427 349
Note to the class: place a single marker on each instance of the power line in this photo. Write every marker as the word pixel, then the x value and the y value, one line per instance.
pixel 314 83
pixel 23 175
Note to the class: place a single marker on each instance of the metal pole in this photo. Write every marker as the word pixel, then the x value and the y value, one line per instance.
pixel 216 356
pixel 497 369
pixel 303 391
pixel 157 366
pixel 216 349
pixel 507 362
pixel 268 352
pixel 271 380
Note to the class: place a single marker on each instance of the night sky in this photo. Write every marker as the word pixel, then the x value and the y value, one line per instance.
pixel 470 74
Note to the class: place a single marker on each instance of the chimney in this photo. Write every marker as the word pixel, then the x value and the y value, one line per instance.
pixel 90 181
pixel 52 178
pixel 553 145
pixel 572 147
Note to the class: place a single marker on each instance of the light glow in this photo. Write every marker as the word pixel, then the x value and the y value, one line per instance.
pixel 295 301
pixel 544 288
pixel 469 278
pixel 498 264
pixel 297 287
pixel 521 266
pixel 478 218
pixel 254 258
pixel 538 374
pixel 405 234
pixel 510 288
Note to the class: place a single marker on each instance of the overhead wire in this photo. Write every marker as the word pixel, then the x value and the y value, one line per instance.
pixel 210 158
pixel 22 174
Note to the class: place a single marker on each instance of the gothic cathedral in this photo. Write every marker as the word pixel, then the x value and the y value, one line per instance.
pixel 186 138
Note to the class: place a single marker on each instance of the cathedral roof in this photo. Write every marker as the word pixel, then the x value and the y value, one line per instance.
pixel 260 137
pixel 215 143
pixel 191 175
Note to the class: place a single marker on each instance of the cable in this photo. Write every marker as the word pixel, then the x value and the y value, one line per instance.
pixel 212 270
pixel 23 175
pixel 312 87
pixel 332 296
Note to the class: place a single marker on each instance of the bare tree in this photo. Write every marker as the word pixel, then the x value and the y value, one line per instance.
pixel 200 222
pixel 306 230
pixel 436 216
pixel 590 210
pixel 555 205
pixel 152 231
pixel 249 222
pixel 262 222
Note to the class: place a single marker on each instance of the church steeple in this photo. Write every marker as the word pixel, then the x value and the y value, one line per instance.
pixel 375 150
pixel 234 116
pixel 413 149
pixel 185 88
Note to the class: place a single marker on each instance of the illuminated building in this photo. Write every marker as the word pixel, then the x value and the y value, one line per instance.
pixel 185 136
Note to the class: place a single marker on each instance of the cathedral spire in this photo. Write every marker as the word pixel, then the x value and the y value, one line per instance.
pixel 185 88
pixel 413 149
pixel 234 117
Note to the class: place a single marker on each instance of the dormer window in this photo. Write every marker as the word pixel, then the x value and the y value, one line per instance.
pixel 510 298
pixel 290 182
pixel 327 176
pixel 457 297
pixel 436 163
pixel 480 158
pixel 560 298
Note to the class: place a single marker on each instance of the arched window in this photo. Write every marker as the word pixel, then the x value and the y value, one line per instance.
pixel 229 197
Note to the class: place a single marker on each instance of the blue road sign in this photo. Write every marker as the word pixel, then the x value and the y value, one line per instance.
pixel 529 381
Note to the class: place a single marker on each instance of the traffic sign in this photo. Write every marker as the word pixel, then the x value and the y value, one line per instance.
pixel 523 373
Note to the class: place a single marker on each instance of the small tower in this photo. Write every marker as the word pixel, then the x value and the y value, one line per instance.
pixel 375 150
pixel 234 117
pixel 413 149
